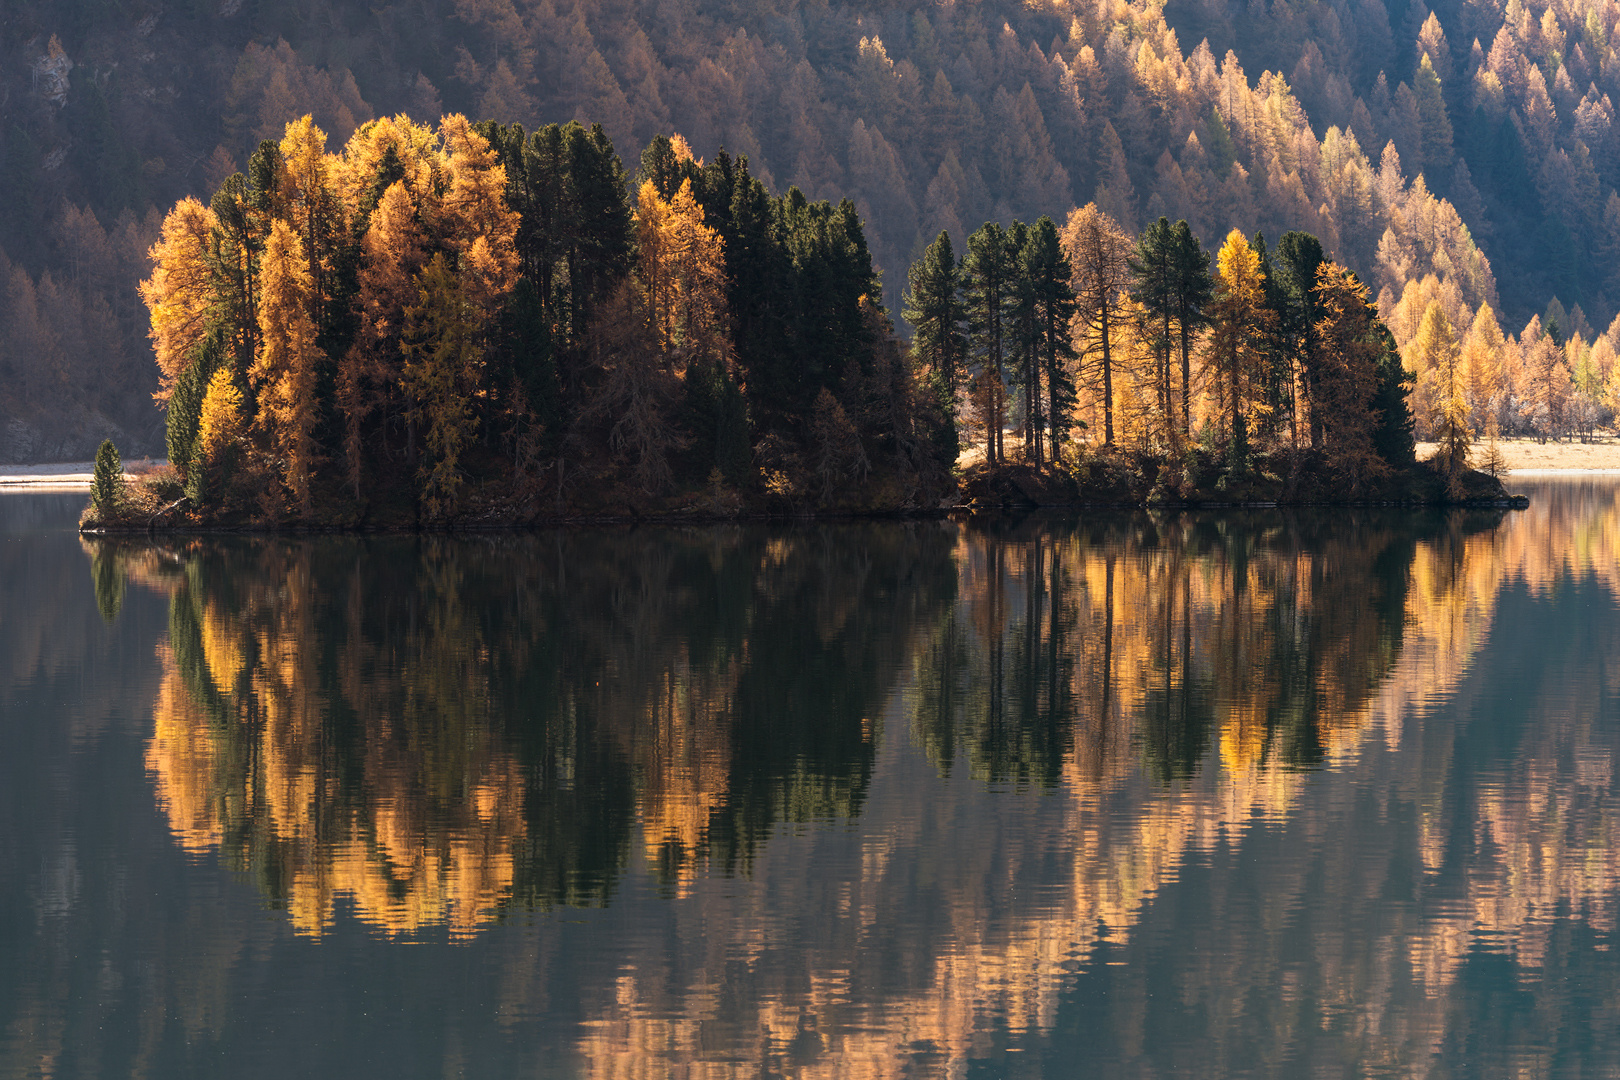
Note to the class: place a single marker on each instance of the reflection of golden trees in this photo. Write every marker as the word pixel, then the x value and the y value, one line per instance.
pixel 433 733
pixel 1145 696
pixel 1155 639
pixel 1283 647
pixel 418 827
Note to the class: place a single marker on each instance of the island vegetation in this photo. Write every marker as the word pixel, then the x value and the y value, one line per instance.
pixel 475 324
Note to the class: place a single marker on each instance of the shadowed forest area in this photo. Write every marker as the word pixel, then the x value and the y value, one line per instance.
pixel 1462 158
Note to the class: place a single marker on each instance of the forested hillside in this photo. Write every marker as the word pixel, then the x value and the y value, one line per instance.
pixel 1465 155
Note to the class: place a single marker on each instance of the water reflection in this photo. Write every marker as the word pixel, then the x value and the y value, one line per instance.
pixel 1150 638
pixel 441 730
pixel 1203 794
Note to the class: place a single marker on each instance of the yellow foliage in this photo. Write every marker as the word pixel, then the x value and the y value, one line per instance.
pixel 219 425
pixel 1482 365
pixel 415 147
pixel 1238 265
pixel 1239 320
pixel 181 290
pixel 284 369
pixel 475 221
pixel 682 271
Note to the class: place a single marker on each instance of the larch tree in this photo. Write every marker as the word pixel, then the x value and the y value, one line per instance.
pixel 1345 351
pixel 1482 367
pixel 182 293
pixel 1425 355
pixel 1448 403
pixel 1545 388
pixel 681 269
pixel 220 426
pixel 219 431
pixel 284 371
pixel 475 221
pixel 311 207
pixel 1240 326
pixel 1100 253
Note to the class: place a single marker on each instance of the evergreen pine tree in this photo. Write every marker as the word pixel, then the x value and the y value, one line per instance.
pixel 1393 438
pixel 1194 288
pixel 1298 256
pixel 933 305
pixel 1046 268
pixel 1153 272
pixel 185 404
pixel 1022 337
pixel 107 485
pixel 985 274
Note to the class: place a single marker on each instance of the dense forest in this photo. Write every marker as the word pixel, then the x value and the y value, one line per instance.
pixel 475 324
pixel 1462 157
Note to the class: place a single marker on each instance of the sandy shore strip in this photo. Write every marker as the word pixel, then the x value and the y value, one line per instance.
pixel 62 476
pixel 1523 457
pixel 1529 457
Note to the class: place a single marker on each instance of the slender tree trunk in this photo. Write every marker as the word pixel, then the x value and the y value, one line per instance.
pixel 1167 397
pixel 1186 380
pixel 1108 379
pixel 1051 388
pixel 1032 443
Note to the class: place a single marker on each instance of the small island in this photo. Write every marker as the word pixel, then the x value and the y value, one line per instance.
pixel 475 326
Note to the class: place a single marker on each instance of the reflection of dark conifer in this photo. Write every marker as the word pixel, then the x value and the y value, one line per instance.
pixel 1179 707
pixel 107 571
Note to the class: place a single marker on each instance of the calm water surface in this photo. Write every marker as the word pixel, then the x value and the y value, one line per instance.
pixel 1238 794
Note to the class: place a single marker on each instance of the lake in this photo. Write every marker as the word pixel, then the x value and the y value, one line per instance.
pixel 1261 793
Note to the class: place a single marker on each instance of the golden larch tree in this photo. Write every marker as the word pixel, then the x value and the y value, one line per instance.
pixel 1099 252
pixel 182 291
pixel 1239 324
pixel 682 270
pixel 309 202
pixel 219 425
pixel 284 371
pixel 1346 363
pixel 1447 400
pixel 474 220
pixel 1482 366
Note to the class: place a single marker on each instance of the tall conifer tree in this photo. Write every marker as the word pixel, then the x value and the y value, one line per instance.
pixel 1099 252
pixel 933 305
pixel 986 271
pixel 1153 267
pixel 1045 265
pixel 1194 288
